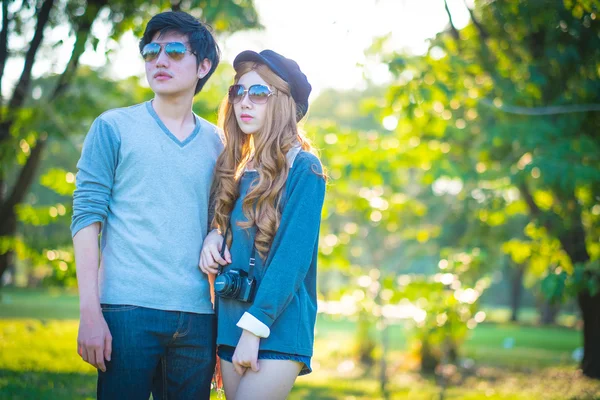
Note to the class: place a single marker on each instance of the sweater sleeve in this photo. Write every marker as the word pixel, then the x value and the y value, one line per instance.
pixel 294 244
pixel 220 139
pixel 95 175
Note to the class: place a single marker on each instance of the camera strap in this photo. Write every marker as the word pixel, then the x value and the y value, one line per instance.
pixel 222 252
pixel 251 262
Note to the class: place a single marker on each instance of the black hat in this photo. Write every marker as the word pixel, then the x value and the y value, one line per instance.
pixel 286 69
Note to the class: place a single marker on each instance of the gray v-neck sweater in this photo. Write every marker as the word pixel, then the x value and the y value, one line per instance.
pixel 150 191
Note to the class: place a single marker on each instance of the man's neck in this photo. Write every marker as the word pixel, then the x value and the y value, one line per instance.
pixel 176 114
pixel 174 109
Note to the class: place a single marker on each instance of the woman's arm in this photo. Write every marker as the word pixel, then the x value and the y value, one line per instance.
pixel 294 244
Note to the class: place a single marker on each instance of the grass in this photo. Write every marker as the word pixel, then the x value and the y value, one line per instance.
pixel 43 304
pixel 38 330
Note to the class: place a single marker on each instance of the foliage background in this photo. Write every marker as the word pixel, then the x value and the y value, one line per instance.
pixel 464 192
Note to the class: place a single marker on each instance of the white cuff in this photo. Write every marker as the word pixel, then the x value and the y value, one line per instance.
pixel 252 324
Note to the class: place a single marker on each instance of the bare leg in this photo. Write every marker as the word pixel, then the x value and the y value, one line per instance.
pixel 231 379
pixel 273 381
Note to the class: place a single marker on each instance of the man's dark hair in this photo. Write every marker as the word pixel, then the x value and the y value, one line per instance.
pixel 201 40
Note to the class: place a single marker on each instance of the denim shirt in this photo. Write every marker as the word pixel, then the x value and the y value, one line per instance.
pixel 286 297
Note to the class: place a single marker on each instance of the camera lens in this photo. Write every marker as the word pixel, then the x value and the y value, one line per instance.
pixel 227 285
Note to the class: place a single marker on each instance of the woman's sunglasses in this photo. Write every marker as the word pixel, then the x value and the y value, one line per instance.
pixel 175 50
pixel 258 94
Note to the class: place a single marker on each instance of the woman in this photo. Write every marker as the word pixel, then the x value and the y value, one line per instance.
pixel 269 190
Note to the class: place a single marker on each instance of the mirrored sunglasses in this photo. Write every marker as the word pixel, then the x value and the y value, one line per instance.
pixel 258 94
pixel 175 50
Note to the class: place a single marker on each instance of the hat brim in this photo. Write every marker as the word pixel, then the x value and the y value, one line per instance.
pixel 252 56
pixel 246 56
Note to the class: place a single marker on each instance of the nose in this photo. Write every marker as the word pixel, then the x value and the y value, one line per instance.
pixel 162 60
pixel 245 102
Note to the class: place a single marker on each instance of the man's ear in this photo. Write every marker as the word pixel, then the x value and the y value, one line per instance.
pixel 204 68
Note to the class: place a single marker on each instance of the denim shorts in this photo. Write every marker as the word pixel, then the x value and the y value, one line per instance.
pixel 226 353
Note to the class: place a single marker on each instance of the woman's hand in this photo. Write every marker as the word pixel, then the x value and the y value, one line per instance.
pixel 210 256
pixel 246 353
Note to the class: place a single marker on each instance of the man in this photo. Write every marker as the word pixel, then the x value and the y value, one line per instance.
pixel 147 322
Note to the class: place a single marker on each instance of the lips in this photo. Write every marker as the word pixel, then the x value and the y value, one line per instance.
pixel 162 76
pixel 246 117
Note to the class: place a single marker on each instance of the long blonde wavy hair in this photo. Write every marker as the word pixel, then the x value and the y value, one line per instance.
pixel 268 149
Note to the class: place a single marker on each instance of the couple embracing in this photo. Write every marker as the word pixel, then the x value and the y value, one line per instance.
pixel 181 208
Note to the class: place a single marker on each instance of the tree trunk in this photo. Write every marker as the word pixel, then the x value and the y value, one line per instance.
pixel 365 340
pixel 516 289
pixel 590 306
pixel 13 197
pixel 8 218
pixel 383 362
pixel 7 229
pixel 548 312
pixel 5 262
pixel 429 360
pixel 573 241
pixel 571 234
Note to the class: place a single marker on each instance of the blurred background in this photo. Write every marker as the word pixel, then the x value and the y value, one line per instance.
pixel 460 244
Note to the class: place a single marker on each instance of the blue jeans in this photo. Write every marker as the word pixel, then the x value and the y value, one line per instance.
pixel 170 354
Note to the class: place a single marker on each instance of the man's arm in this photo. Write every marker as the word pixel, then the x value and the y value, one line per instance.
pixel 95 178
pixel 94 341
pixel 85 244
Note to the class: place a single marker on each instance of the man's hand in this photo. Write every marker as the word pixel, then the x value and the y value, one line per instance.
pixel 94 342
pixel 210 256
pixel 246 353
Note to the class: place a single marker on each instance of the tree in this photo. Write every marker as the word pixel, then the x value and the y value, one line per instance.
pixel 384 226
pixel 511 103
pixel 21 144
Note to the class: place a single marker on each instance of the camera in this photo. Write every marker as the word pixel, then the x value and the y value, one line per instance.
pixel 235 284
